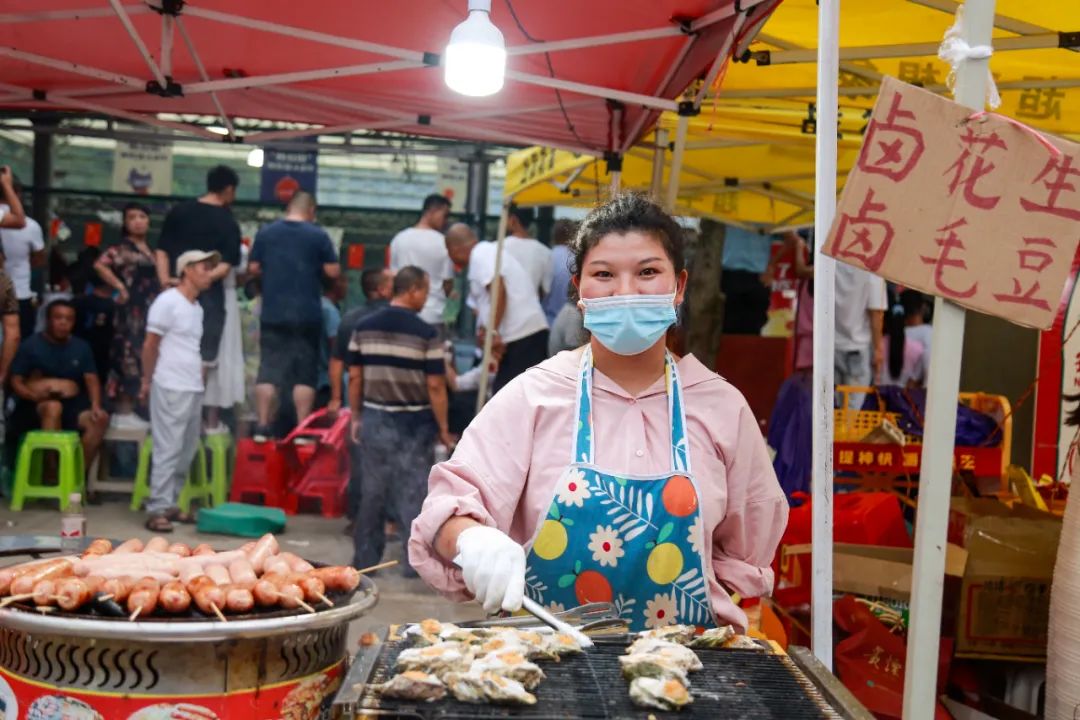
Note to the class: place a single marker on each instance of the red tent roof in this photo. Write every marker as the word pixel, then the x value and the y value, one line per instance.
pixel 362 65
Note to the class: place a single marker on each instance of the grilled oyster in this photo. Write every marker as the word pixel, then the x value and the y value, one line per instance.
pixel 713 638
pixel 741 642
pixel 438 659
pixel 680 655
pixel 413 685
pixel 532 644
pixel 510 664
pixel 651 665
pixel 659 694
pixel 480 687
pixel 681 634
pixel 562 644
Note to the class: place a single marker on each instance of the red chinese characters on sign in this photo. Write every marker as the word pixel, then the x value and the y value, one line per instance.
pixel 946 259
pixel 980 210
pixel 1057 177
pixel 1033 261
pixel 865 236
pixel 892 148
pixel 972 166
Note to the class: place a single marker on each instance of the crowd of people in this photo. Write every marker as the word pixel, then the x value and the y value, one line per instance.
pixel 148 336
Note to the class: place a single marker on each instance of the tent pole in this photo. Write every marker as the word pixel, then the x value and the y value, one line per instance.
pixel 828 79
pixel 676 162
pixel 496 284
pixel 935 485
pixel 122 15
pixel 167 26
pixel 203 75
pixel 657 186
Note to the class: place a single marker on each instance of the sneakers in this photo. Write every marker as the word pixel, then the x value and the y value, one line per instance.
pixel 263 433
pixel 219 429
pixel 128 421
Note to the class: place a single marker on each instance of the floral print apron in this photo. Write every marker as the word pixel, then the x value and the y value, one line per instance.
pixel 634 541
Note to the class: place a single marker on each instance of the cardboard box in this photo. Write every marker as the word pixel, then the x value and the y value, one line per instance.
pixel 885 572
pixel 1005 596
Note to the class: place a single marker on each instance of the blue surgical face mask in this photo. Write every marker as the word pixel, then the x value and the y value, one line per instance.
pixel 629 324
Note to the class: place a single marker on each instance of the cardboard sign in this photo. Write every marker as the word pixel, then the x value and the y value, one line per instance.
pixel 973 208
pixel 143 168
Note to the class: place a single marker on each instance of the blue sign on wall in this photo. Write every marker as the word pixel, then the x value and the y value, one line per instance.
pixel 284 172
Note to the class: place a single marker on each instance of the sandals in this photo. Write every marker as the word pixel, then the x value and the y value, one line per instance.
pixel 177 515
pixel 159 524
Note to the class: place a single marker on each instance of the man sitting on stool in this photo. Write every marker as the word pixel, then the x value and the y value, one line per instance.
pixel 55 380
pixel 173 381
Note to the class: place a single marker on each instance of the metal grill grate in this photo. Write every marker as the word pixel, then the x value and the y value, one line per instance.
pixel 734 684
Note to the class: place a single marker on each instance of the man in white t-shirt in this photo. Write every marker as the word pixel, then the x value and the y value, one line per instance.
pixel 519 317
pixel 860 310
pixel 423 246
pixel 173 381
pixel 24 247
pixel 530 253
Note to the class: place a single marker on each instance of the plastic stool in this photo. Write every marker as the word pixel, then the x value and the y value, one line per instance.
pixel 219 445
pixel 71 473
pixel 195 487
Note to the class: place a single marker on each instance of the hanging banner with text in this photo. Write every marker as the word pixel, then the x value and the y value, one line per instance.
pixel 284 172
pixel 971 207
pixel 143 168
pixel 452 181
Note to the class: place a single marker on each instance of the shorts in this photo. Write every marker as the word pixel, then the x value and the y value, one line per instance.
pixel 26 415
pixel 213 305
pixel 289 354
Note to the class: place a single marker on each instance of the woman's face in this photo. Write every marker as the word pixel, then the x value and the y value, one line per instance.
pixel 632 264
pixel 137 223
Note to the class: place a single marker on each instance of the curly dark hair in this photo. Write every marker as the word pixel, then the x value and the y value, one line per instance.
pixel 626 213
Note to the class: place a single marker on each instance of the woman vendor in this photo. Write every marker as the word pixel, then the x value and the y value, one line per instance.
pixel 615 472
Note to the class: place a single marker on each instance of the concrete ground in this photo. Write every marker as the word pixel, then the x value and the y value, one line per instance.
pixel 310 536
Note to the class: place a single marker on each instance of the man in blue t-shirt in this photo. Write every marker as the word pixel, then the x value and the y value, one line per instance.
pixel 55 380
pixel 292 255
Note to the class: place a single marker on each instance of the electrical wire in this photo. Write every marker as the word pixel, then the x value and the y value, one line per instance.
pixel 551 73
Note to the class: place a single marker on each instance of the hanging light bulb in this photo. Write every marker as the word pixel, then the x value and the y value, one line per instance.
pixel 255 157
pixel 475 58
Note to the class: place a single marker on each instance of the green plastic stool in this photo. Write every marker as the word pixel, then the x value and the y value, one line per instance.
pixel 219 446
pixel 71 473
pixel 196 487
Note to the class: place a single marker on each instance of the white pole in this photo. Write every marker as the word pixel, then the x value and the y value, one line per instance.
pixel 657 186
pixel 939 435
pixel 496 284
pixel 676 162
pixel 828 78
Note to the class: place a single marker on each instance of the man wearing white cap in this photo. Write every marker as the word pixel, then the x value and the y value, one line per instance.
pixel 173 381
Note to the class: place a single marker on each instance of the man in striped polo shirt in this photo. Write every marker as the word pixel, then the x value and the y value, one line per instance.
pixel 397 390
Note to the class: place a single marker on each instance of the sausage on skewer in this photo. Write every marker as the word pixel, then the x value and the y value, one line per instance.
pixel 266 547
pixel 52 570
pixel 72 593
pixel 12 572
pixel 238 599
pixel 296 563
pixel 100 546
pixel 143 598
pixel 206 595
pixel 156 544
pixel 218 574
pixel 134 545
pixel 341 578
pixel 242 574
pixel 202 549
pixel 119 588
pixel 45 593
pixel 180 549
pixel 174 597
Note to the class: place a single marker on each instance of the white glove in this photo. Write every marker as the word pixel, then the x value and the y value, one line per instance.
pixel 493 566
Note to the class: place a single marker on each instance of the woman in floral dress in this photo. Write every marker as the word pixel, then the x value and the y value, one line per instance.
pixel 128 267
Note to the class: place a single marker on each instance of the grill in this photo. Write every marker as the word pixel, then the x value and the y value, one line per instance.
pixel 733 684
pixel 274 664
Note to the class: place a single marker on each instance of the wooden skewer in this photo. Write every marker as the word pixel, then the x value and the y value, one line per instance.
pixel 380 566
pixel 217 611
pixel 135 614
pixel 45 608
pixel 325 599
pixel 14 599
pixel 304 605
pixel 105 598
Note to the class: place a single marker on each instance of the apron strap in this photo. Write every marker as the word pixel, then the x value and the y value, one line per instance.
pixel 584 435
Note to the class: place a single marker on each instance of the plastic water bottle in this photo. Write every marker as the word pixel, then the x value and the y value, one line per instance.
pixel 72 525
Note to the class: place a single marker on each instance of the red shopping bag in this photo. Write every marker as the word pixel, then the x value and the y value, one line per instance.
pixel 871 660
pixel 863 518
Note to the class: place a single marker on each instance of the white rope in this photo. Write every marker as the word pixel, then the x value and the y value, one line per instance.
pixel 955 50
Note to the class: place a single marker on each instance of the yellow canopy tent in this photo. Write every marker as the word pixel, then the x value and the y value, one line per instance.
pixel 749 155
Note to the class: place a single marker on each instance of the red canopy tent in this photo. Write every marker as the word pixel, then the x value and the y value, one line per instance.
pixel 584 76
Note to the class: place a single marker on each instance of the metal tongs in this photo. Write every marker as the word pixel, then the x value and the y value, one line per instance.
pixel 541 613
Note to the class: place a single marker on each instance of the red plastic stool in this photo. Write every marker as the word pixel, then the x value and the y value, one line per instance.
pixel 318 469
pixel 260 475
